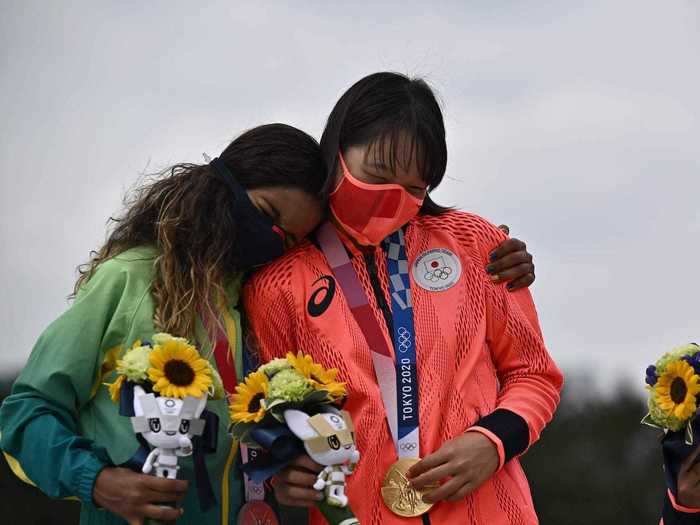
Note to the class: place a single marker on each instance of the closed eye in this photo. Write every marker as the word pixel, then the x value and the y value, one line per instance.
pixel 417 191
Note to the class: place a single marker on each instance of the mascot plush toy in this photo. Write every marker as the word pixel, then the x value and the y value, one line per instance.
pixel 329 440
pixel 168 424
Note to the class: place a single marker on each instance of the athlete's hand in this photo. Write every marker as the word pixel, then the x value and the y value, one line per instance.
pixel 511 263
pixel 135 496
pixel 459 466
pixel 294 486
pixel 689 481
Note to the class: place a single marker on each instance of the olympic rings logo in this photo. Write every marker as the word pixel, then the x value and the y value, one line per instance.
pixel 408 446
pixel 404 339
pixel 438 274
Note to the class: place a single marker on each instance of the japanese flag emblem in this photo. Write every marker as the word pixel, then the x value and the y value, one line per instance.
pixel 437 270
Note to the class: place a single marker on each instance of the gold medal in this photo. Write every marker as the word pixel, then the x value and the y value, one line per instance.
pixel 398 494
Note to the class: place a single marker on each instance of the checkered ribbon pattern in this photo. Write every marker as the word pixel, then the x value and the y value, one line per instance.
pixel 397 265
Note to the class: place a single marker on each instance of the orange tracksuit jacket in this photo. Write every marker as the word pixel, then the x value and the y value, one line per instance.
pixel 481 358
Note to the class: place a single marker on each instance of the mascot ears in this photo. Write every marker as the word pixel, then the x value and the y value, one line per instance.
pixel 298 423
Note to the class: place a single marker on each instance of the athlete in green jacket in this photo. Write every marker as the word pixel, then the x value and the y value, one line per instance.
pixel 191 232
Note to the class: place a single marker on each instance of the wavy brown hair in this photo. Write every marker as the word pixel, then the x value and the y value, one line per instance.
pixel 185 211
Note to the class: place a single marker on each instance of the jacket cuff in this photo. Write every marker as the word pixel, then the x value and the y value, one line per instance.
pixel 507 430
pixel 496 441
pixel 680 508
pixel 86 479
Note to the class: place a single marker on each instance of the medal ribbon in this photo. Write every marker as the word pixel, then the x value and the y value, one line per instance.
pixel 224 344
pixel 404 345
pixel 397 376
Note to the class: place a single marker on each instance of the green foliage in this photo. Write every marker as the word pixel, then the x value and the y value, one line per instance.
pixel 596 463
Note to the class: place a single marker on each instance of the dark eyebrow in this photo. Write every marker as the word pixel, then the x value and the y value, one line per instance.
pixel 382 166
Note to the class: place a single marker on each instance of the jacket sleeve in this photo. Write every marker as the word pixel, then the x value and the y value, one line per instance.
pixel 270 313
pixel 530 382
pixel 39 420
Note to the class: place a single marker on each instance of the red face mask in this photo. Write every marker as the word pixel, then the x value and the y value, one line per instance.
pixel 371 212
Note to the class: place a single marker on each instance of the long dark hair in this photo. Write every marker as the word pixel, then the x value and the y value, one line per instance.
pixel 379 110
pixel 186 212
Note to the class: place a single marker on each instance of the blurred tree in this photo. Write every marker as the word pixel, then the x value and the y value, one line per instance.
pixel 595 463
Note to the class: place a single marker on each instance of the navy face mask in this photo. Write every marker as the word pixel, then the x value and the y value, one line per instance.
pixel 259 240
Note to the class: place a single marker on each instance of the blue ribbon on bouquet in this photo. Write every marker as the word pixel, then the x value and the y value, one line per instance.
pixel 280 447
pixel 201 445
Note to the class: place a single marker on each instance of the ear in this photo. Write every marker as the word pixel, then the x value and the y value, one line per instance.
pixel 298 423
pixel 138 392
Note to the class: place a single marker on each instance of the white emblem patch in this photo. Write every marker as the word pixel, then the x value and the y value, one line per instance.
pixel 437 270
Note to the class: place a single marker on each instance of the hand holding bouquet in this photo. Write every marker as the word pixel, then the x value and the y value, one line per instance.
pixel 163 387
pixel 288 407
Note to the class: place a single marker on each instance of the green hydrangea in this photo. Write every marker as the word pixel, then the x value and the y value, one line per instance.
pixel 217 385
pixel 274 366
pixel 289 385
pixel 661 418
pixel 135 364
pixel 674 355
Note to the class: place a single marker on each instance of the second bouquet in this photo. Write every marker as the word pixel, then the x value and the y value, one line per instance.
pixel 290 406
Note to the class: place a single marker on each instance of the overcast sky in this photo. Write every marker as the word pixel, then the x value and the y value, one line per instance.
pixel 576 123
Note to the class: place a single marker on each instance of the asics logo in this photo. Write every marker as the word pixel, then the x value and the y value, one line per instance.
pixel 322 297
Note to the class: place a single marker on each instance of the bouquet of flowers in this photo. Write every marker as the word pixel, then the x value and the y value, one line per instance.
pixel 290 406
pixel 163 387
pixel 673 384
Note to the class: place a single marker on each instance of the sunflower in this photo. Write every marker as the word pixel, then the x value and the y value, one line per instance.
pixel 247 404
pixel 676 390
pixel 115 388
pixel 177 370
pixel 110 361
pixel 319 377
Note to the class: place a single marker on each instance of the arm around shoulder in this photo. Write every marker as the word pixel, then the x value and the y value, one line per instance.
pixel 530 382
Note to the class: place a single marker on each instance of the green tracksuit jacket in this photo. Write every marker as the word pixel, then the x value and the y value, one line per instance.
pixel 59 428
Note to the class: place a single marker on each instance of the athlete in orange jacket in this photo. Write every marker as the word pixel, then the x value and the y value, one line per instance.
pixel 486 385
